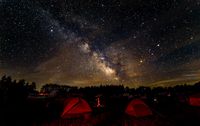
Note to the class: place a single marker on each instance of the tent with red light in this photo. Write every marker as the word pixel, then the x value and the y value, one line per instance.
pixel 137 108
pixel 194 100
pixel 75 107
pixel 138 114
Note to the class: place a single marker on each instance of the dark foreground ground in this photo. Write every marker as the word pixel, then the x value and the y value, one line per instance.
pixel 46 112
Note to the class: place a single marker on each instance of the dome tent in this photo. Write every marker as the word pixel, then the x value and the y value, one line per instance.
pixel 139 114
pixel 194 100
pixel 75 107
pixel 137 108
pixel 76 112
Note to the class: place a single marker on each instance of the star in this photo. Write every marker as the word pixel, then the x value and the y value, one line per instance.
pixel 96 42
pixel 141 61
pixel 51 30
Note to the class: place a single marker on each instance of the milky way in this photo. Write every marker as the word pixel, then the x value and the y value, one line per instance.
pixel 83 43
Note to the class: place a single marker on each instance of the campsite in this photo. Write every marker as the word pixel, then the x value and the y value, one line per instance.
pixel 133 112
pixel 99 62
pixel 107 105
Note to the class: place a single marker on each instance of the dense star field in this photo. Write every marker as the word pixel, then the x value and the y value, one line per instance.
pixel 92 42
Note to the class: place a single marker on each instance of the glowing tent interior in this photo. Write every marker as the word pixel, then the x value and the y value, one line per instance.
pixel 138 108
pixel 75 107
pixel 194 100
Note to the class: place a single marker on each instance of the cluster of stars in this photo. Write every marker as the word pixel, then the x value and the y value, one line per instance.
pixel 83 42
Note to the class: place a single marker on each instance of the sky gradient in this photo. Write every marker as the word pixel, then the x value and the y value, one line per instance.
pixel 93 42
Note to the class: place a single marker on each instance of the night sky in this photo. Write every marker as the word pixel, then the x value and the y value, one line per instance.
pixel 93 42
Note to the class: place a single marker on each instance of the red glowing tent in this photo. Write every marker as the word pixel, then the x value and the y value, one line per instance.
pixel 194 100
pixel 138 108
pixel 75 107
